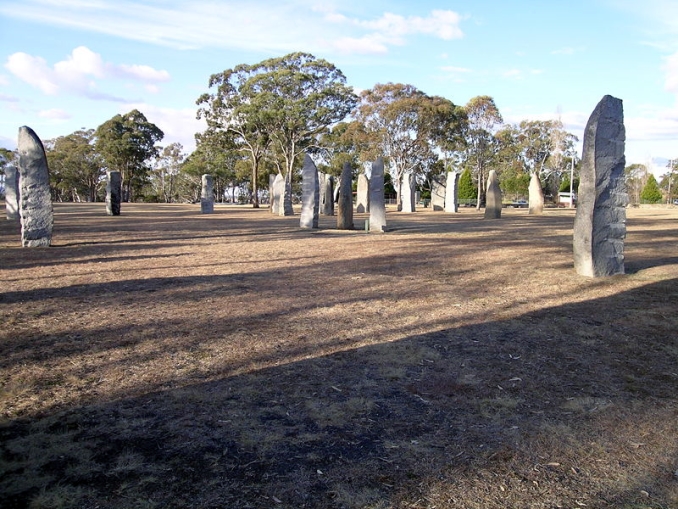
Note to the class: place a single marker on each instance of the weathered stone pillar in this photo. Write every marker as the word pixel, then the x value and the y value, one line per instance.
pixel 277 195
pixel 310 194
pixel 12 193
pixel 287 209
pixel 438 192
pixel 377 204
pixel 493 197
pixel 113 193
pixel 35 201
pixel 452 192
pixel 326 194
pixel 345 215
pixel 207 195
pixel 600 220
pixel 408 190
pixel 363 194
pixel 536 195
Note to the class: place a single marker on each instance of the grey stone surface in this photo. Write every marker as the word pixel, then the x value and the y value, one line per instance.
pixel 326 194
pixel 536 195
pixel 345 213
pixel 207 195
pixel 287 209
pixel 363 194
pixel 600 220
pixel 452 192
pixel 310 194
pixel 377 203
pixel 278 191
pixel 12 193
pixel 35 200
pixel 493 197
pixel 438 192
pixel 408 190
pixel 113 193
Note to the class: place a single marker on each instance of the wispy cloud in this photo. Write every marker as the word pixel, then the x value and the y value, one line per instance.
pixel 55 114
pixel 256 25
pixel 78 73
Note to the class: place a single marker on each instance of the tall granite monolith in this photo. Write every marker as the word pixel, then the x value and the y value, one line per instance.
pixel 493 197
pixel 408 190
pixel 113 193
pixel 278 191
pixel 12 193
pixel 600 220
pixel 310 194
pixel 377 203
pixel 362 197
pixel 452 192
pixel 535 195
pixel 35 200
pixel 345 208
pixel 438 192
pixel 326 194
pixel 207 195
pixel 287 209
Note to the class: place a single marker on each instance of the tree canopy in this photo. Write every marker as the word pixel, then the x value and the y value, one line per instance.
pixel 277 108
pixel 127 143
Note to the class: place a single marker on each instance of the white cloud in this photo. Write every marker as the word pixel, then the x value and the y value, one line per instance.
pixel 255 25
pixel 179 125
pixel 78 73
pixel 32 70
pixel 455 70
pixel 54 114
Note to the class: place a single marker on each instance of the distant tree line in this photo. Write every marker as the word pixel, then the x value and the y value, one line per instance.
pixel 262 118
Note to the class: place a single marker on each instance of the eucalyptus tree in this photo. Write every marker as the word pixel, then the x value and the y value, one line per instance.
pixel 277 108
pixel 127 143
pixel 75 166
pixel 168 166
pixel 481 146
pixel 406 126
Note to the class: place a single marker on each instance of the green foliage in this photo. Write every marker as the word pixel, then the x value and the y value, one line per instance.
pixel 565 185
pixel 651 192
pixel 467 190
pixel 277 109
pixel 75 166
pixel 126 143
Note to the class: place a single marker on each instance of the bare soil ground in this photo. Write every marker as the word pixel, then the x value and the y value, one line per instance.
pixel 165 358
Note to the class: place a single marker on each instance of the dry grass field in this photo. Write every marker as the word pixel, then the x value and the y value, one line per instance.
pixel 168 359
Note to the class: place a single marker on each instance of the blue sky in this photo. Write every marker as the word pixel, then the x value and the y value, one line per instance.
pixel 69 64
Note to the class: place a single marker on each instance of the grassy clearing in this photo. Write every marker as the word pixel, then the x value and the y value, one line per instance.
pixel 168 359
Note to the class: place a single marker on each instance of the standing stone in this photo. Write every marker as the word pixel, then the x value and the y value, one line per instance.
pixel 408 190
pixel 271 181
pixel 326 194
pixel 377 204
pixel 600 220
pixel 113 193
pixel 363 194
pixel 493 197
pixel 345 215
pixel 35 201
pixel 310 194
pixel 277 195
pixel 536 195
pixel 452 192
pixel 12 193
pixel 438 193
pixel 207 195
pixel 287 209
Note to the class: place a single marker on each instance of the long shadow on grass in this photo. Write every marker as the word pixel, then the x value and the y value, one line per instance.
pixel 568 406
